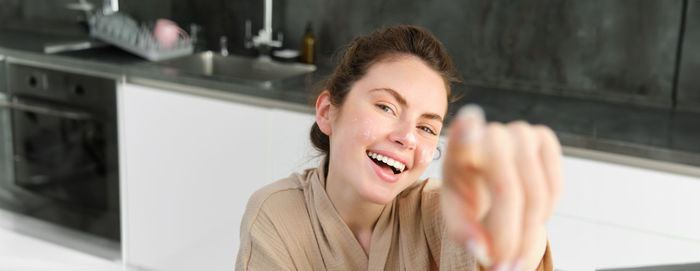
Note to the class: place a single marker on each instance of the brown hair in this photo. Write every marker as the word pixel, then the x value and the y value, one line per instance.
pixel 379 45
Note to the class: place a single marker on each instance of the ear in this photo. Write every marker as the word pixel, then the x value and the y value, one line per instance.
pixel 323 112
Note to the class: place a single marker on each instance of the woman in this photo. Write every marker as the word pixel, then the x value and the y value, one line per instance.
pixel 377 123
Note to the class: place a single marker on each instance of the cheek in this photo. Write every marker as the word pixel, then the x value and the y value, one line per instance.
pixel 424 156
pixel 364 129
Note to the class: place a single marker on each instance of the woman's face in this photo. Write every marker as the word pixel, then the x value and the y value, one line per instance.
pixel 396 111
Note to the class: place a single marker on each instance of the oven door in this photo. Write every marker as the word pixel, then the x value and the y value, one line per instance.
pixel 60 166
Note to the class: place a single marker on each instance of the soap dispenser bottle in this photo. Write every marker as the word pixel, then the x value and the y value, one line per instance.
pixel 307 46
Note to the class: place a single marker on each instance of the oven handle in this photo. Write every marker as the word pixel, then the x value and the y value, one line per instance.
pixel 46 110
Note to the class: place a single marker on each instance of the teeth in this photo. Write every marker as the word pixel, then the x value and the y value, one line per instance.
pixel 391 162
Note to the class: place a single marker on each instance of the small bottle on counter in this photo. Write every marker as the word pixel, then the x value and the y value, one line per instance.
pixel 307 46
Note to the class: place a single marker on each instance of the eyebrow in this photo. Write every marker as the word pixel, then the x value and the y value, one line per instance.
pixel 402 101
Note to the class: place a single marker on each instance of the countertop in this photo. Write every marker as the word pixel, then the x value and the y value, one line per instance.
pixel 657 138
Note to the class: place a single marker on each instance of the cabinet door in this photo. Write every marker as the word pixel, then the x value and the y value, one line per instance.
pixel 289 146
pixel 613 216
pixel 188 165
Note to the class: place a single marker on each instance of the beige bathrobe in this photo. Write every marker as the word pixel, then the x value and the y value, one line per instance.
pixel 292 225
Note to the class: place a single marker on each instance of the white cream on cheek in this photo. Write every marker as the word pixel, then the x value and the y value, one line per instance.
pixel 425 156
pixel 365 130
pixel 369 133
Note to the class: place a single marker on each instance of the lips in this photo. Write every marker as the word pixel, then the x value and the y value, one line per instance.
pixel 396 165
pixel 383 173
pixel 383 170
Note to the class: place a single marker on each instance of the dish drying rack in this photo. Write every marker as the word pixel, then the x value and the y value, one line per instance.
pixel 124 32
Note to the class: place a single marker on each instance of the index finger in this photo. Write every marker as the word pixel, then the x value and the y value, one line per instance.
pixel 466 132
pixel 463 160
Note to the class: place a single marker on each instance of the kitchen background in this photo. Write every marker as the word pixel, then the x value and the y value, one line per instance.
pixel 633 59
pixel 619 51
pixel 617 76
pixel 637 52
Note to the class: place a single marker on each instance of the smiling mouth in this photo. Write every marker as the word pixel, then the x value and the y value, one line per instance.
pixel 386 162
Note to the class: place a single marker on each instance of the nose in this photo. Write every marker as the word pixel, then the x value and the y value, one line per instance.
pixel 404 135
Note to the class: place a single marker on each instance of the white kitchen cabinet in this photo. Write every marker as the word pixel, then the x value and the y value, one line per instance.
pixel 289 147
pixel 189 165
pixel 613 215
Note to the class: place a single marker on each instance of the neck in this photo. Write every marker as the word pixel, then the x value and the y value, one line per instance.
pixel 359 215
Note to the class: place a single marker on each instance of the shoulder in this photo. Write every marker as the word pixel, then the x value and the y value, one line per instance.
pixel 276 199
pixel 265 223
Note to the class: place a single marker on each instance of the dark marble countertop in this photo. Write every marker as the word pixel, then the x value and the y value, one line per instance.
pixel 650 134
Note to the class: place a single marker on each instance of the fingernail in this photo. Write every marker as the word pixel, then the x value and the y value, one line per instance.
pixel 518 265
pixel 502 267
pixel 473 119
pixel 479 253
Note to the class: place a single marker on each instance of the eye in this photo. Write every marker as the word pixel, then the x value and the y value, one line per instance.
pixel 385 108
pixel 427 129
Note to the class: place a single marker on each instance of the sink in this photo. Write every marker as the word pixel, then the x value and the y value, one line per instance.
pixel 259 70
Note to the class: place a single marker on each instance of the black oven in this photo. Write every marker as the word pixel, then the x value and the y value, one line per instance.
pixel 60 149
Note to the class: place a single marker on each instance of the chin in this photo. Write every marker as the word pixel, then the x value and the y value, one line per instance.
pixel 380 200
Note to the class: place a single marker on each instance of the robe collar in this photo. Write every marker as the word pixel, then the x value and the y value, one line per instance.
pixel 342 247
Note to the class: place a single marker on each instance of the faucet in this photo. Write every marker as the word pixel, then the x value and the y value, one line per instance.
pixel 110 6
pixel 223 44
pixel 264 37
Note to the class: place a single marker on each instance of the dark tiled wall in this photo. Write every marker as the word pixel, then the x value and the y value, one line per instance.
pixel 51 10
pixel 689 76
pixel 146 11
pixel 45 16
pixel 221 18
pixel 9 10
pixel 621 51
pixel 616 50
